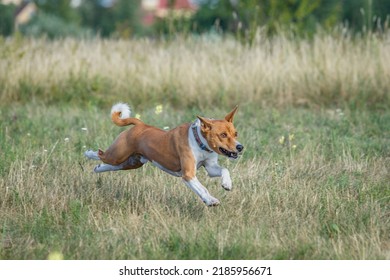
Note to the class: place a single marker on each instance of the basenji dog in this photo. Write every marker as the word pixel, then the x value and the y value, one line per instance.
pixel 179 151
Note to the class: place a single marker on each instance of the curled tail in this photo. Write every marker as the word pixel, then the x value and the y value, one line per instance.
pixel 120 115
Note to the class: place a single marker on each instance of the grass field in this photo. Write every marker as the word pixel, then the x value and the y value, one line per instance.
pixel 313 182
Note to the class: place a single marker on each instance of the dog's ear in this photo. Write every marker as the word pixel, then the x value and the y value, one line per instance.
pixel 229 117
pixel 205 124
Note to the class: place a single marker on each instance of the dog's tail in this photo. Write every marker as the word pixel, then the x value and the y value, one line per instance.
pixel 120 115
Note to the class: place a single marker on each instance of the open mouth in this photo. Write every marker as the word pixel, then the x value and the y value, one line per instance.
pixel 228 153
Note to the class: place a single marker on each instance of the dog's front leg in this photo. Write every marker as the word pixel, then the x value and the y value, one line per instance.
pixel 214 170
pixel 193 183
pixel 201 191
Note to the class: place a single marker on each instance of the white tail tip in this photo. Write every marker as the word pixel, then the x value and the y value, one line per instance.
pixel 123 108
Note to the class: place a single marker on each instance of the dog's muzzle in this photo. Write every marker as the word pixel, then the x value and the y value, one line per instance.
pixel 230 154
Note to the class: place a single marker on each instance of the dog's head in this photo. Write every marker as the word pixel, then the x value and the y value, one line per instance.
pixel 221 135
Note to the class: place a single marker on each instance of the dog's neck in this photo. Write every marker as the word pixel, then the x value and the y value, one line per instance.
pixel 198 137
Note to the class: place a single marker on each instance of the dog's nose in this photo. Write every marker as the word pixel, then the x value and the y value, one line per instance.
pixel 239 147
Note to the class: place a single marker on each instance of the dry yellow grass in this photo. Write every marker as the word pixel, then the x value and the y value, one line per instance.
pixel 326 70
pixel 320 194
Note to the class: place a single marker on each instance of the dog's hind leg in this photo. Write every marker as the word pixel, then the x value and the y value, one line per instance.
pixel 106 167
pixel 133 162
pixel 92 155
pixel 120 150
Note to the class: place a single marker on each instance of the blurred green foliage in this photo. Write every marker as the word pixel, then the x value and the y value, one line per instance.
pixel 59 8
pixel 6 19
pixel 123 18
pixel 51 26
pixel 303 17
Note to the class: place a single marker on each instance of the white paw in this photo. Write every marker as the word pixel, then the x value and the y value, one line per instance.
pixel 92 155
pixel 212 201
pixel 96 169
pixel 227 183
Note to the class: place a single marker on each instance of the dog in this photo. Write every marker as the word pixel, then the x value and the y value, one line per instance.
pixel 179 151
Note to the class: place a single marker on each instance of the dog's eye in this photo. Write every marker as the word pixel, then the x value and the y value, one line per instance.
pixel 223 135
pixel 236 134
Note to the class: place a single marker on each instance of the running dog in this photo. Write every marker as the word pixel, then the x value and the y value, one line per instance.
pixel 179 151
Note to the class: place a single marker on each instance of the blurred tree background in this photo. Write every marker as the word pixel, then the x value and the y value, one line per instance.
pixel 128 18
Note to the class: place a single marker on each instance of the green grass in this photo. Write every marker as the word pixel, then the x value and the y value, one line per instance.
pixel 313 182
pixel 322 193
